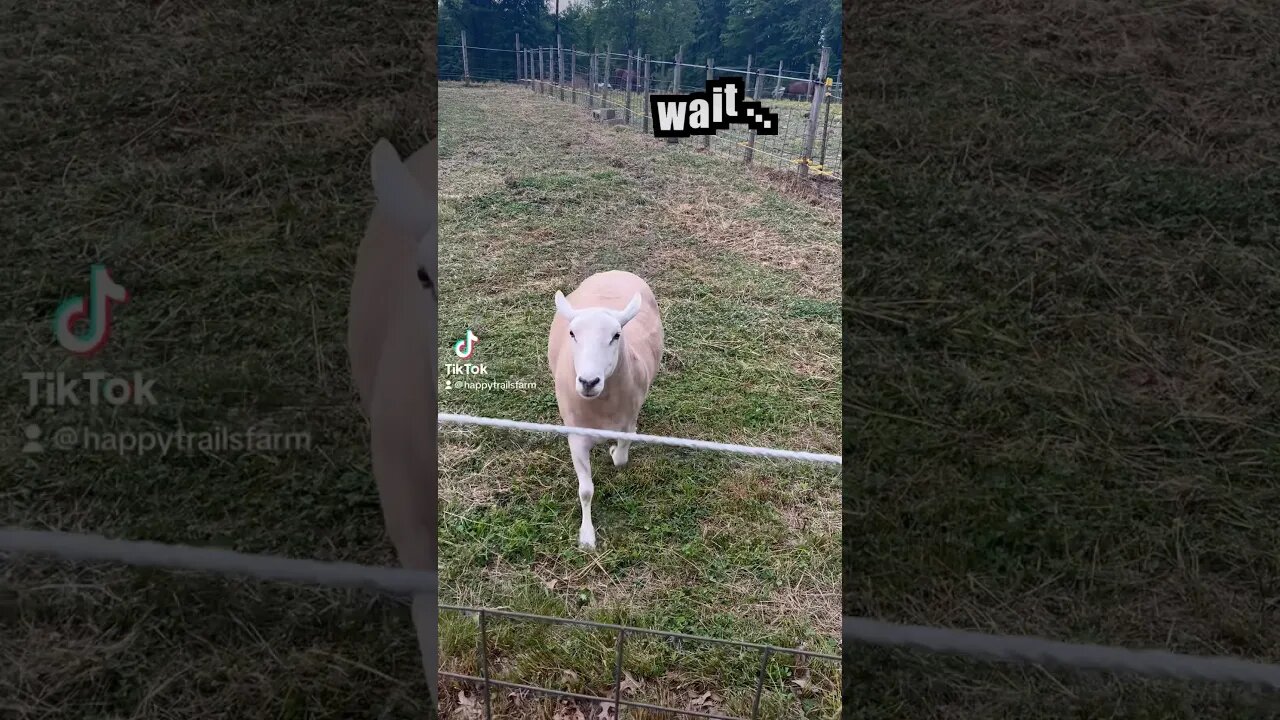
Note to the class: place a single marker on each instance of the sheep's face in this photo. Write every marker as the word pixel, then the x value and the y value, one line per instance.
pixel 595 338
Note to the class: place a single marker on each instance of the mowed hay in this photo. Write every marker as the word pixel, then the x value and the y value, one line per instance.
pixel 215 158
pixel 1060 297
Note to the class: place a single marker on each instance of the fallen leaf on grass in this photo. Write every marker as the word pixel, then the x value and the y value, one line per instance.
pixel 568 711
pixel 468 707
pixel 706 702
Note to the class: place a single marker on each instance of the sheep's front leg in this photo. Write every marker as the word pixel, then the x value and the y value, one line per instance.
pixel 621 450
pixel 580 449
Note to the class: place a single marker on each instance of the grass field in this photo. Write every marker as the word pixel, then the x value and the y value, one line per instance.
pixel 1062 285
pixel 215 157
pixel 534 198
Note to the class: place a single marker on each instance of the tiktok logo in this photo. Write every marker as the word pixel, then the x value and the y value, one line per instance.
pixel 96 309
pixel 464 347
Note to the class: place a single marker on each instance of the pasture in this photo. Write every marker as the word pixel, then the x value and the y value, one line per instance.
pixel 215 158
pixel 534 198
pixel 1062 346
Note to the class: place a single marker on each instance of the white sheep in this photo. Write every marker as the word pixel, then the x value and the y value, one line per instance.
pixel 603 350
pixel 391 340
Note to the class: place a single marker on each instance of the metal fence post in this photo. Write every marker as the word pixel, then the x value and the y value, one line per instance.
pixel 764 666
pixel 826 121
pixel 617 676
pixel 573 74
pixel 519 57
pixel 484 667
pixel 777 89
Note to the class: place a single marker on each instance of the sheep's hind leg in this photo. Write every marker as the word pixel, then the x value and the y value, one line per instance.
pixel 580 449
pixel 620 451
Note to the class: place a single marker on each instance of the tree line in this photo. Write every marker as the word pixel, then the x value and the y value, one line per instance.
pixel 771 31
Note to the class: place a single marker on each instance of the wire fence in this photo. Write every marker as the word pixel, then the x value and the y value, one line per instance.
pixel 1006 648
pixel 615 88
pixel 616 702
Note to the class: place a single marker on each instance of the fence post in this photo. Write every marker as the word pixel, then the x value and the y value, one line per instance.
pixel 560 57
pixel 644 98
pixel 542 60
pixel 573 74
pixel 529 71
pixel 826 121
pixel 604 92
pixel 751 138
pixel 748 75
pixel 675 81
pixel 483 641
pixel 706 139
pixel 518 76
pixel 811 73
pixel 777 89
pixel 591 78
pixel 466 71
pixel 814 106
pixel 626 80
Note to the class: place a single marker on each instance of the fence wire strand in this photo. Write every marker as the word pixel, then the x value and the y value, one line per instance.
pixel 456 419
pixel 1010 648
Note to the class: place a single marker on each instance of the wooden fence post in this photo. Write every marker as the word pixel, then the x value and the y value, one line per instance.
pixel 751 138
pixel 627 94
pixel 644 98
pixel 604 92
pixel 466 71
pixel 778 88
pixel 560 58
pixel 675 81
pixel 706 139
pixel 814 106
pixel 591 78
pixel 573 74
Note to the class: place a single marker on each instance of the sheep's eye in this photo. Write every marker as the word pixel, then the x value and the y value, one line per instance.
pixel 616 336
pixel 575 337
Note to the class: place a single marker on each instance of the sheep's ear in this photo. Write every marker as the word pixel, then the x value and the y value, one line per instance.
pixel 399 193
pixel 563 307
pixel 630 310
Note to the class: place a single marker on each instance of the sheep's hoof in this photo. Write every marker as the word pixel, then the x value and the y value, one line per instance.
pixel 617 461
pixel 587 539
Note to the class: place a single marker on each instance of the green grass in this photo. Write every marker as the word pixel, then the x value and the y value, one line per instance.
pixel 1060 294
pixel 534 199
pixel 215 158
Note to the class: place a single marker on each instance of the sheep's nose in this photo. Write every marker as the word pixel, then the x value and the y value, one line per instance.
pixel 588 384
